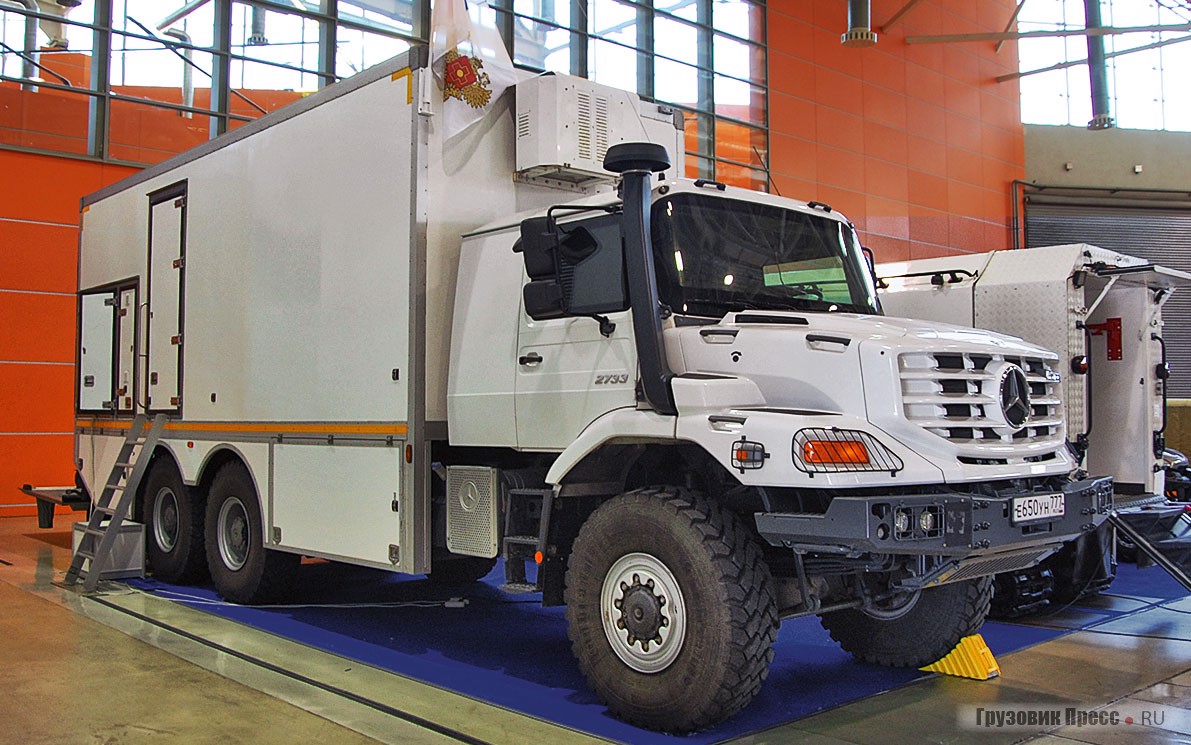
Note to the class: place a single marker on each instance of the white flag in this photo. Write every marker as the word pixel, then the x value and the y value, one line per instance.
pixel 470 64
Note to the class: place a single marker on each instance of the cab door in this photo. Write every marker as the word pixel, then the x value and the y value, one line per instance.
pixel 573 369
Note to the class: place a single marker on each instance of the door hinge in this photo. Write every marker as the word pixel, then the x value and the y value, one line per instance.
pixel 179 263
pixel 394 554
pixel 395 503
pixel 180 202
pixel 277 535
pixel 176 340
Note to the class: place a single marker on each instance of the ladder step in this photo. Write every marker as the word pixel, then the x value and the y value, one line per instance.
pixel 109 511
pixel 519 588
pixel 84 553
pixel 522 540
pixel 125 465
pixel 98 530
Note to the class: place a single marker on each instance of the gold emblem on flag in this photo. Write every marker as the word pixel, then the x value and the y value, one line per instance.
pixel 465 79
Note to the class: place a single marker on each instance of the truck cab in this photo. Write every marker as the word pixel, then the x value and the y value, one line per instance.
pixel 690 353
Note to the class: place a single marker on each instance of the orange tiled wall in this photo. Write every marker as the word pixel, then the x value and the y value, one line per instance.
pixel 917 144
pixel 39 215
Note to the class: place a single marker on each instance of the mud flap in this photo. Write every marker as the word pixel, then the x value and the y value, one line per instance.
pixel 1162 533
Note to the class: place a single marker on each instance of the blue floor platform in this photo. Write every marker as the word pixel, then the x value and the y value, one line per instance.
pixel 511 652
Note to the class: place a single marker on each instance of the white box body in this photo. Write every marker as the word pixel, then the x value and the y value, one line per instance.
pixel 292 289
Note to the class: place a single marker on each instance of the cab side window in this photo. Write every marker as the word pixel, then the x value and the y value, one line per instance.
pixel 591 266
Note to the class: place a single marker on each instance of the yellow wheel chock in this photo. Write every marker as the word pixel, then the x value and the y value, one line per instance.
pixel 971 658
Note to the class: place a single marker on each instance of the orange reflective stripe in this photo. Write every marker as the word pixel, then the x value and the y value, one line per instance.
pixel 258 427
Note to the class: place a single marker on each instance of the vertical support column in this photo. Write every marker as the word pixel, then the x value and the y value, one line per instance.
pixel 579 18
pixel 421 18
pixel 504 23
pixel 99 106
pixel 706 102
pixel 221 66
pixel 328 39
pixel 645 67
pixel 1097 73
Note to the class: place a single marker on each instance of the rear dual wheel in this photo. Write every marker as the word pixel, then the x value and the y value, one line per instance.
pixel 173 517
pixel 242 569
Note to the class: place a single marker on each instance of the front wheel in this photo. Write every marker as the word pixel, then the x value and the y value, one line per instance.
pixel 670 609
pixel 915 629
pixel 242 569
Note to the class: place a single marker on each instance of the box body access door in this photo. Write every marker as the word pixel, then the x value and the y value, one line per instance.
pixel 167 260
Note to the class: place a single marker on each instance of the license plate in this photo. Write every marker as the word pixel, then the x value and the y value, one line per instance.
pixel 1038 507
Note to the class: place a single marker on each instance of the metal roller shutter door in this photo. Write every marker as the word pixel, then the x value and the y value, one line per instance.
pixel 1159 235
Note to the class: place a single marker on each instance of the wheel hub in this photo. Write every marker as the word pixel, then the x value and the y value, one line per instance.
pixel 165 519
pixel 643 613
pixel 232 535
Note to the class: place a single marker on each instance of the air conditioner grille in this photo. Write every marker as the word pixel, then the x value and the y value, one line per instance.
pixel 584 123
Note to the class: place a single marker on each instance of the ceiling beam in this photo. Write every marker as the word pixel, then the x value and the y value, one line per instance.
pixel 899 15
pixel 1075 63
pixel 1012 20
pixel 1011 36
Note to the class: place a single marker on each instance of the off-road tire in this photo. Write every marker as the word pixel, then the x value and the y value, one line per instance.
pixel 726 595
pixel 173 514
pixel 264 575
pixel 924 634
pixel 458 571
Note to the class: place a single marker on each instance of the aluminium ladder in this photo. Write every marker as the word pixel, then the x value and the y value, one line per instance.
pixel 115 501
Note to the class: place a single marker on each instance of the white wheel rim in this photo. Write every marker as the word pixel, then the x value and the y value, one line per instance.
pixel 232 534
pixel 165 519
pixel 641 598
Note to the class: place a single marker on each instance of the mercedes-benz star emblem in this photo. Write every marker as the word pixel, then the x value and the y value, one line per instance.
pixel 1015 396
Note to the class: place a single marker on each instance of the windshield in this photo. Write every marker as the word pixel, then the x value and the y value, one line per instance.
pixel 715 255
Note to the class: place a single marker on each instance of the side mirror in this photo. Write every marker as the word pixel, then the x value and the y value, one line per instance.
pixel 539 246
pixel 543 299
pixel 539 249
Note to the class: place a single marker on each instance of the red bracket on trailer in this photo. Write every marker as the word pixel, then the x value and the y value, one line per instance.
pixel 1112 328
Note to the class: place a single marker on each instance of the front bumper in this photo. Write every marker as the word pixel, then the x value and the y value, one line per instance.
pixel 976 533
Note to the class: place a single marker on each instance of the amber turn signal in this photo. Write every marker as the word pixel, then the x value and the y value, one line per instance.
pixel 828 452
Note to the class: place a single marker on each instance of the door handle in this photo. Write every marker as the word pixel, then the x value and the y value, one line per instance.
pixel 533 358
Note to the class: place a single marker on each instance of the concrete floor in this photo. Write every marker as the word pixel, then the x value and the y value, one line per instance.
pixel 125 667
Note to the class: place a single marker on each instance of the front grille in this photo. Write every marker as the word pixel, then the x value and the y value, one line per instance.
pixel 958 396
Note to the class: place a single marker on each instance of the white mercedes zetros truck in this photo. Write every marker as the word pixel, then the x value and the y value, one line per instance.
pixel 675 401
